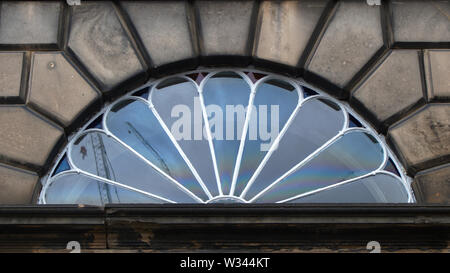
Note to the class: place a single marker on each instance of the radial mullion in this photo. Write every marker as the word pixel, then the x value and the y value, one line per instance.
pixel 104 180
pixel 333 145
pixel 181 187
pixel 350 181
pixel 355 179
pixel 273 147
pixel 243 139
pixel 161 172
pixel 208 134
pixel 299 165
pixel 177 146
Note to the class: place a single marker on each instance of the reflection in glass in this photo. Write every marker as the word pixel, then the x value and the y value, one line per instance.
pixel 73 188
pixel 134 123
pixel 274 95
pixel 226 90
pixel 152 146
pixel 354 154
pixel 100 155
pixel 379 188
pixel 180 109
pixel 63 165
pixel 316 122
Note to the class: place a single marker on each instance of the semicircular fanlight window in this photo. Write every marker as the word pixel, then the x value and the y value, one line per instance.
pixel 226 137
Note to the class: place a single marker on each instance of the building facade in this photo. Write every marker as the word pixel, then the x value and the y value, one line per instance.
pixel 62 62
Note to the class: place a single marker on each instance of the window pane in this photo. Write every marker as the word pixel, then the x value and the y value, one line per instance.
pixel 282 98
pixel 180 108
pixel 316 122
pixel 133 122
pixel 98 154
pixel 354 154
pixel 380 188
pixel 226 89
pixel 73 188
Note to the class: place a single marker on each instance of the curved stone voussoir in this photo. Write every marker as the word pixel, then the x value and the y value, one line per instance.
pixel 351 39
pixel 423 139
pixel 286 27
pixel 30 23
pixel 16 185
pixel 99 41
pixel 26 138
pixel 57 88
pixel 433 185
pixel 163 28
pixel 10 77
pixel 224 27
pixel 437 69
pixel 418 21
pixel 393 88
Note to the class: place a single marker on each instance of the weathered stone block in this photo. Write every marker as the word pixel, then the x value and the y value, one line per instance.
pixel 286 28
pixel 26 137
pixel 424 136
pixel 10 74
pixel 224 26
pixel 16 186
pixel 393 87
pixel 102 45
pixel 433 186
pixel 437 69
pixel 29 22
pixel 163 29
pixel 352 38
pixel 420 21
pixel 56 87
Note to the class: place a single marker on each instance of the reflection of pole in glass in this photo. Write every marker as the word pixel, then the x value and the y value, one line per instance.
pixel 154 152
pixel 103 166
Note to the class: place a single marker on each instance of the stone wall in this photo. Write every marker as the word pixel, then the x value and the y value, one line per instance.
pixel 59 64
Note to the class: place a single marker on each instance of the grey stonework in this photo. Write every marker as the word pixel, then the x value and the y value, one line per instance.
pixel 224 26
pixel 286 28
pixel 395 86
pixel 98 39
pixel 163 28
pixel 16 185
pixel 57 88
pixel 10 75
pixel 391 62
pixel 424 136
pixel 25 136
pixel 352 38
pixel 433 186
pixel 433 25
pixel 437 67
pixel 29 22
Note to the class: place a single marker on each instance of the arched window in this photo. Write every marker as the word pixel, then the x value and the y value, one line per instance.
pixel 226 136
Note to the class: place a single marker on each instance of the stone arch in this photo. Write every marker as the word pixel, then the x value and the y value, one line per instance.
pixel 61 63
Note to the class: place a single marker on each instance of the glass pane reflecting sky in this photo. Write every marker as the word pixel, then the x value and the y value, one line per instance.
pixel 134 123
pixel 354 154
pixel 180 109
pixel 269 96
pixel 314 124
pixel 156 144
pixel 121 165
pixel 380 188
pixel 223 91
